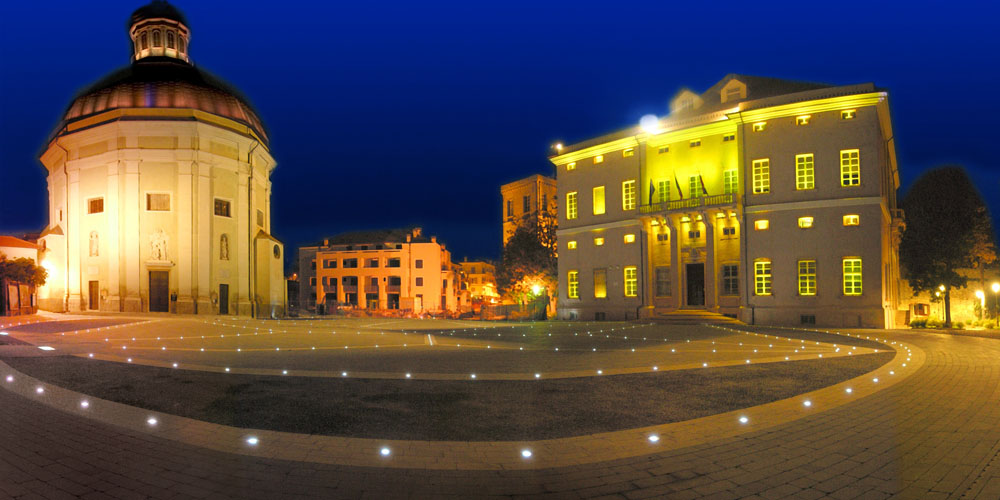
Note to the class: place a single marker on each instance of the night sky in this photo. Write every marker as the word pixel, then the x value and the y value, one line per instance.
pixel 386 114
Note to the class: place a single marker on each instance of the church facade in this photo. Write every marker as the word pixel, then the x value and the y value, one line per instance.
pixel 159 189
pixel 766 200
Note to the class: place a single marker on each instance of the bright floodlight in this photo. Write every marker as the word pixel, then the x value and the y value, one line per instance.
pixel 536 289
pixel 3 333
pixel 649 123
pixel 996 287
pixel 653 438
pixel 744 420
pixel 84 404
pixel 10 378
pixel 252 441
pixel 46 348
pixel 40 390
pixel 385 452
pixel 151 421
pixel 526 453
pixel 849 390
pixel 807 403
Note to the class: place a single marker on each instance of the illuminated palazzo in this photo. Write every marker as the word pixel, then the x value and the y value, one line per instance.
pixel 767 200
pixel 159 189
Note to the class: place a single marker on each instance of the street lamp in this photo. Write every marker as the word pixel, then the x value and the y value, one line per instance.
pixel 996 311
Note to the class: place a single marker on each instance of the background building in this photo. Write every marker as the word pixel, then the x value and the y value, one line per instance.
pixel 768 200
pixel 159 189
pixel 524 200
pixel 398 269
pixel 481 281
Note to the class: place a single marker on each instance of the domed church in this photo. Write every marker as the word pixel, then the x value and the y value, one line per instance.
pixel 159 189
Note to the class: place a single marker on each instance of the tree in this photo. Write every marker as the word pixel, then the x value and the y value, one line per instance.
pixel 23 270
pixel 529 260
pixel 945 217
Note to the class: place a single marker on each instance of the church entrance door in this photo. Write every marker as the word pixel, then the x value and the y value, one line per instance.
pixel 159 291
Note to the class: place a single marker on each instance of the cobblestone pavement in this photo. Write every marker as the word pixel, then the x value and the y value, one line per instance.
pixel 933 435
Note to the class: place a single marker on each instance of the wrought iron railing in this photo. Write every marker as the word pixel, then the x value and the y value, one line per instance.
pixel 701 201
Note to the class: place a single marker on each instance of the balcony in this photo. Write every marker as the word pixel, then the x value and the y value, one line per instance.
pixel 371 288
pixel 350 288
pixel 392 288
pixel 701 201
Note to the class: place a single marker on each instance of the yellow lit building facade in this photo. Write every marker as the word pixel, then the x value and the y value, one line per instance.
pixel 159 189
pixel 524 200
pixel 381 270
pixel 481 281
pixel 766 200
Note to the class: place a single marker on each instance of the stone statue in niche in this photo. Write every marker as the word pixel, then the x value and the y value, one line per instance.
pixel 95 245
pixel 224 247
pixel 158 245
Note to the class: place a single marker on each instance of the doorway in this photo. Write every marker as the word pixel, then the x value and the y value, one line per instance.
pixel 159 289
pixel 94 296
pixel 695 284
pixel 223 298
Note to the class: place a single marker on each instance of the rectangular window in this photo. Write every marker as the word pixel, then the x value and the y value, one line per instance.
pixel 393 262
pixel 573 284
pixel 662 281
pixel 371 262
pixel 852 276
pixel 571 245
pixel 694 186
pixel 526 204
pixel 662 238
pixel 630 238
pixel 571 165
pixel 598 241
pixel 852 220
pixel 848 114
pixel 598 200
pixel 419 264
pixel 350 263
pixel 571 205
pixel 850 168
pixel 759 126
pixel 694 234
pixel 761 224
pixel 628 152
pixel 599 159
pixel 730 182
pixel 222 208
pixel 420 281
pixel 158 202
pixel 802 120
pixel 730 279
pixel 762 176
pixel 95 205
pixel 729 231
pixel 663 191
pixel 663 149
pixel 631 281
pixel 805 222
pixel 729 137
pixel 330 264
pixel 628 195
pixel 312 281
pixel 804 173
pixel 762 277
pixel 510 208
pixel 260 218
pixel 600 283
pixel 695 143
pixel 807 277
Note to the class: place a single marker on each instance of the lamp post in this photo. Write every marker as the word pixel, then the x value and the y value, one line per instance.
pixel 996 311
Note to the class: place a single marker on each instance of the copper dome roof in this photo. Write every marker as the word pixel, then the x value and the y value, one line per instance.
pixel 158 9
pixel 163 82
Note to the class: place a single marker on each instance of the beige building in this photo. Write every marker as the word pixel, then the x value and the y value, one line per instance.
pixel 16 248
pixel 481 281
pixel 524 200
pixel 762 199
pixel 159 189
pixel 388 269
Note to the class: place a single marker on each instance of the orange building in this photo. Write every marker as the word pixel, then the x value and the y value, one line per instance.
pixel 385 269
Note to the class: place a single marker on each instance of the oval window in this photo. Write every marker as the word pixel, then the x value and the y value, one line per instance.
pixel 277 252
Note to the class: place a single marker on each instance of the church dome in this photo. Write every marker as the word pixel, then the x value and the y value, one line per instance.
pixel 161 76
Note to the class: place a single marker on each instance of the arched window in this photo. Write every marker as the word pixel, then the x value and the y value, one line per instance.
pixel 180 43
pixel 156 39
pixel 144 41
pixel 170 39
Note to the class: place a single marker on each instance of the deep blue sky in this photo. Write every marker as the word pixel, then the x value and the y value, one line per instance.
pixel 385 114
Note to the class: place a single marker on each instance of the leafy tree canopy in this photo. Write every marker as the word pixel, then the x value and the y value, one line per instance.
pixel 23 270
pixel 529 259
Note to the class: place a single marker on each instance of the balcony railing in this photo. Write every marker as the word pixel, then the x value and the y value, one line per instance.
pixel 350 288
pixel 701 201
pixel 392 288
pixel 371 288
